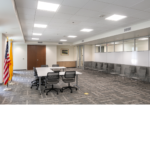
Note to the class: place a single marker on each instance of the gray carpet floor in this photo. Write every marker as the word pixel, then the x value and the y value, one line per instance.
pixel 101 89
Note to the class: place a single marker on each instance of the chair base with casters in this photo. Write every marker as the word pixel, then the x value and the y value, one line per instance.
pixel 36 83
pixel 68 87
pixel 51 89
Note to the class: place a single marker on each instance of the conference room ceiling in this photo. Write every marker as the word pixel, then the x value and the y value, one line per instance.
pixel 74 15
pixel 9 24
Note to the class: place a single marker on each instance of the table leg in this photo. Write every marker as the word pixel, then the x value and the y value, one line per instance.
pixel 77 82
pixel 40 85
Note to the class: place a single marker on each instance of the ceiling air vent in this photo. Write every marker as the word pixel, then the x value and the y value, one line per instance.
pixel 127 29
pixel 60 43
pixel 40 42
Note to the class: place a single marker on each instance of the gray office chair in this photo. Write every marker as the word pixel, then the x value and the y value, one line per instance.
pixel 104 68
pixel 116 72
pixel 56 70
pixel 94 66
pixel 44 65
pixel 110 68
pixel 126 74
pixel 69 77
pixel 140 76
pixel 52 78
pixel 89 66
pixel 35 82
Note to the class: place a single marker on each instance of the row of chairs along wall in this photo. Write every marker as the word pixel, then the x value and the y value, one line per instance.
pixel 111 67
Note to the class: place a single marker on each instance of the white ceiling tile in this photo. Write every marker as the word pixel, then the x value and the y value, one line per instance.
pixel 78 18
pixel 62 16
pixel 143 5
pixel 26 3
pixel 44 13
pixel 95 5
pixel 42 20
pixel 26 11
pixel 108 1
pixel 58 20
pixel 68 10
pixel 26 17
pixel 38 30
pixel 53 1
pixel 75 3
pixel 142 15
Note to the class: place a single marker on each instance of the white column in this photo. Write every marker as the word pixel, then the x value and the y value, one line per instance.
pixel 3 40
pixel 1 59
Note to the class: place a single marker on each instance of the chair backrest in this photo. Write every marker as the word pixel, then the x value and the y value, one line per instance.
pixel 99 65
pixel 44 65
pixel 118 69
pixel 55 65
pixel 127 72
pixel 105 66
pixel 52 75
pixel 132 69
pixel 89 64
pixel 70 74
pixel 35 71
pixel 142 73
pixel 94 64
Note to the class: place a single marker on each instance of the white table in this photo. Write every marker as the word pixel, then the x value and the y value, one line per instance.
pixel 42 72
pixel 52 68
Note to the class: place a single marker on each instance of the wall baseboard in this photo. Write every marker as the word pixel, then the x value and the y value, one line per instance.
pixel 19 69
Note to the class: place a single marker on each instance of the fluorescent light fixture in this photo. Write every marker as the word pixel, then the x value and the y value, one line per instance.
pixel 72 36
pixel 97 45
pixel 35 38
pixel 63 40
pixel 115 17
pixel 114 43
pixel 86 30
pixel 47 6
pixel 40 25
pixel 37 34
pixel 143 39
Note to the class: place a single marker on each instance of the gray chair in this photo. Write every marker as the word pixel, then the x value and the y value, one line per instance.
pixel 56 70
pixel 44 65
pixel 69 77
pixel 127 73
pixel 140 76
pixel 104 68
pixel 116 71
pixel 35 82
pixel 94 66
pixel 110 68
pixel 99 66
pixel 52 78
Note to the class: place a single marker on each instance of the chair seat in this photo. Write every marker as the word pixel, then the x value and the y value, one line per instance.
pixel 122 75
pixel 135 78
pixel 68 80
pixel 113 73
pixel 53 81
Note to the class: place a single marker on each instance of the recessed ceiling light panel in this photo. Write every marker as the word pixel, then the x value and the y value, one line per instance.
pixel 86 30
pixel 97 45
pixel 39 34
pixel 72 36
pixel 47 6
pixel 35 38
pixel 115 17
pixel 63 40
pixel 143 39
pixel 40 25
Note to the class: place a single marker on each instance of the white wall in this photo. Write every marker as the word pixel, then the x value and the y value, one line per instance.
pixel 20 56
pixel 88 52
pixel 51 55
pixel 70 57
pixel 3 40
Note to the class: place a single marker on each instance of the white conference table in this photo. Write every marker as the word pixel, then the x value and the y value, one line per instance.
pixel 52 68
pixel 42 72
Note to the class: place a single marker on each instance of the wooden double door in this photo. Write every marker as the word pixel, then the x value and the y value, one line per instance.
pixel 36 56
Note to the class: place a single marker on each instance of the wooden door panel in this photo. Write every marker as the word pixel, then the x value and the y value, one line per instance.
pixel 40 55
pixel 31 57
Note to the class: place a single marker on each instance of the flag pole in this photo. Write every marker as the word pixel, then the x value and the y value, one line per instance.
pixel 7 89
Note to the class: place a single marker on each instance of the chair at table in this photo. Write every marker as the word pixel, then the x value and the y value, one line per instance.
pixel 52 78
pixel 94 66
pixel 55 70
pixel 69 77
pixel 44 65
pixel 36 81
